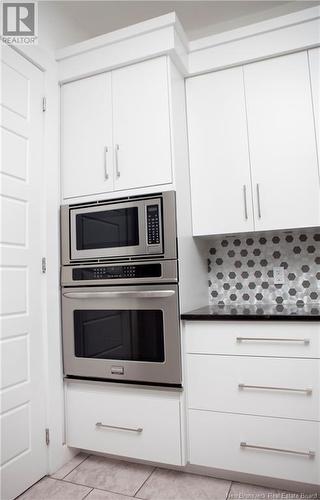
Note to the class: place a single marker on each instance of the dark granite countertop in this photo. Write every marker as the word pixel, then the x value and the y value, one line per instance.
pixel 261 312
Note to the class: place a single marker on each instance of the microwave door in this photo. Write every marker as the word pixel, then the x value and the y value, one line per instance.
pixel 111 231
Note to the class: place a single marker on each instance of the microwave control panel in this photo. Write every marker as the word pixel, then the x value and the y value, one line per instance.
pixel 114 272
pixel 153 224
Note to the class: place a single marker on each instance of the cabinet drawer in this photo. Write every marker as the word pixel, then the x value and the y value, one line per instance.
pixel 279 387
pixel 254 338
pixel 132 422
pixel 215 441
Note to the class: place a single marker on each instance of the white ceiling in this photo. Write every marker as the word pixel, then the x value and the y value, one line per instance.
pixel 65 22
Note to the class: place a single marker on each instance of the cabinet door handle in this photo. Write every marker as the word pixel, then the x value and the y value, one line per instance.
pixel 270 339
pixel 119 428
pixel 117 160
pixel 310 454
pixel 106 175
pixel 258 199
pixel 272 388
pixel 245 201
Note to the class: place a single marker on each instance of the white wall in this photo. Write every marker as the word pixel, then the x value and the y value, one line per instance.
pixel 62 23
pixel 56 29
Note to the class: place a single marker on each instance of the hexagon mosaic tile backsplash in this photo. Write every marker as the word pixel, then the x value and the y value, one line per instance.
pixel 241 269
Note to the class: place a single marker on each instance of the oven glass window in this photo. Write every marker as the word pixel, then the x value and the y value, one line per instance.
pixel 107 229
pixel 133 335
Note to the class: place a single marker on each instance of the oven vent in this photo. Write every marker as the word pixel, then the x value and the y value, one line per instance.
pixel 117 200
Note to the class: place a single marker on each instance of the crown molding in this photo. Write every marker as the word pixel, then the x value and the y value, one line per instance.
pixel 278 36
pixel 251 30
pixel 164 35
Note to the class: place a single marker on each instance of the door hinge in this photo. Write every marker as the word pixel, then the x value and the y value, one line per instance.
pixel 44 265
pixel 44 104
pixel 47 437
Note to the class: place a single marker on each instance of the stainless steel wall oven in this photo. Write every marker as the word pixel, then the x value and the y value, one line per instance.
pixel 120 318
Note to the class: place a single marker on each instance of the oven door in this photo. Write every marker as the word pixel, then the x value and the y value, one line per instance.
pixel 122 333
pixel 111 231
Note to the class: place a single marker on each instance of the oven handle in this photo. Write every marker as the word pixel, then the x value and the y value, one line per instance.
pixel 148 294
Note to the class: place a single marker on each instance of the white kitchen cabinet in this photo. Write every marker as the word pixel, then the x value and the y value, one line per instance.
pixel 285 175
pixel 272 387
pixel 255 127
pixel 215 441
pixel 116 130
pixel 141 125
pixel 253 397
pixel 314 63
pixel 292 339
pixel 219 158
pixel 127 421
pixel 86 136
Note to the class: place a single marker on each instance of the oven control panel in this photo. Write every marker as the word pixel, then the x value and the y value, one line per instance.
pixel 153 224
pixel 116 272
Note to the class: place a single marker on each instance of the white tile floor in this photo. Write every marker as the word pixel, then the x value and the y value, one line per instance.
pixel 98 478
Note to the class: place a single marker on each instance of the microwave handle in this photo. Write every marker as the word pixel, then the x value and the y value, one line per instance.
pixel 148 294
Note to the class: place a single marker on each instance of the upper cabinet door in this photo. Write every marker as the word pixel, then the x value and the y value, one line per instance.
pixel 86 139
pixel 282 143
pixel 314 61
pixel 141 125
pixel 219 159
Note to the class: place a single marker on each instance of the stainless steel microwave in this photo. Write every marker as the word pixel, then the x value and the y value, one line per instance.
pixel 132 227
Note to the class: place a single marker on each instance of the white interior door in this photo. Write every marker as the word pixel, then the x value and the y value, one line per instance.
pixel 86 136
pixel 219 156
pixel 283 154
pixel 23 449
pixel 142 125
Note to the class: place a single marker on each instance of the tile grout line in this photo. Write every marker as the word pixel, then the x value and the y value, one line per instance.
pixel 30 487
pixel 87 494
pixel 73 468
pixel 77 484
pixel 64 480
pixel 95 487
pixel 229 490
pixel 144 482
pixel 114 492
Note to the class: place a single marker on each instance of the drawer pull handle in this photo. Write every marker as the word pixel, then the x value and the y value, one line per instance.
pixel 271 339
pixel 271 388
pixel 310 454
pixel 130 429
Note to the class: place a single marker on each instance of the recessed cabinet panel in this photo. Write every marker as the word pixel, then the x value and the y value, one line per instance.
pixel 219 158
pixel 86 140
pixel 282 143
pixel 141 125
